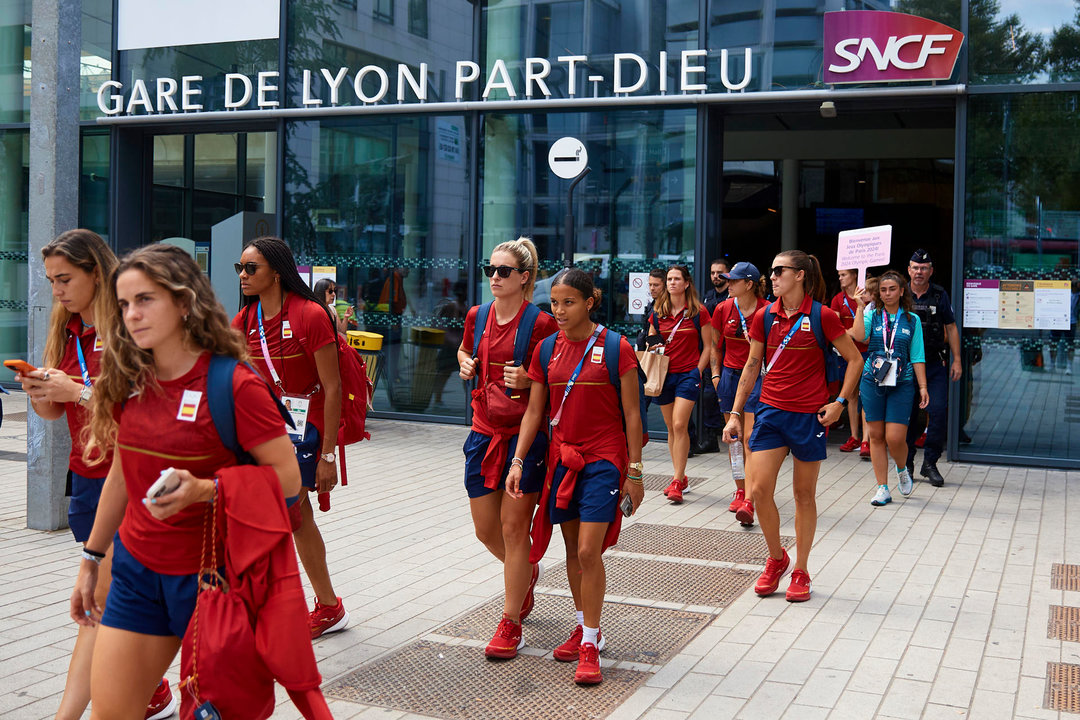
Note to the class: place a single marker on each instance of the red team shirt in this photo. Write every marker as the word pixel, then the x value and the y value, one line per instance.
pixel 499 352
pixel 593 416
pixel 683 350
pixel 77 416
pixel 732 344
pixel 152 438
pixel 796 382
pixel 847 316
pixel 292 358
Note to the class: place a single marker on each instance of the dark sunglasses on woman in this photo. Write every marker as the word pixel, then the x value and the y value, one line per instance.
pixel 503 270
pixel 249 267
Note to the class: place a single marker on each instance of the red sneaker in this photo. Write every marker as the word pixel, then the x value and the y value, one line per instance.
pixel 737 500
pixel 506 642
pixel 162 704
pixel 530 597
pixel 674 492
pixel 588 665
pixel 684 483
pixel 851 445
pixel 745 513
pixel 799 589
pixel 921 442
pixel 770 577
pixel 864 451
pixel 568 651
pixel 328 618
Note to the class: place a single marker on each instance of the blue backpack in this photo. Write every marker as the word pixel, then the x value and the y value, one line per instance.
pixel 521 337
pixel 611 359
pixel 219 391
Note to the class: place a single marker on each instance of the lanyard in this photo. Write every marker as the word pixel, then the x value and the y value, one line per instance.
pixel 848 305
pixel 82 362
pixel 574 375
pixel 783 343
pixel 675 329
pixel 888 341
pixel 742 319
pixel 265 349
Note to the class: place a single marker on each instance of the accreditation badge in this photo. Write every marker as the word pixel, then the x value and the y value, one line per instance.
pixel 298 411
pixel 286 330
pixel 189 405
pixel 98 344
pixel 597 355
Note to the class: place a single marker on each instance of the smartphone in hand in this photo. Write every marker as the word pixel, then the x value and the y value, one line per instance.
pixel 167 481
pixel 626 505
pixel 20 366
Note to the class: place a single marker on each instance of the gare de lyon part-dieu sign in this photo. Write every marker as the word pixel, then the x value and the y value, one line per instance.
pixel 860 46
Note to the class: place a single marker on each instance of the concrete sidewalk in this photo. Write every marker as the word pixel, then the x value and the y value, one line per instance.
pixel 936 606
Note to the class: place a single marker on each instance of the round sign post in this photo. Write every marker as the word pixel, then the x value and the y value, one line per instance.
pixel 569 159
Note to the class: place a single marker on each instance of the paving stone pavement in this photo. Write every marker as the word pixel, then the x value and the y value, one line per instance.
pixel 936 606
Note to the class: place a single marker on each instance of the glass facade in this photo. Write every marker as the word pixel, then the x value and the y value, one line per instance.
pixel 15 61
pixel 14 240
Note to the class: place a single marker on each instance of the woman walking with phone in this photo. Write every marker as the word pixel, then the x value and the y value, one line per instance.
pixel 292 338
pixel 682 321
pixel 794 413
pixel 894 371
pixel 161 324
pixel 595 443
pixel 731 323
pixel 494 333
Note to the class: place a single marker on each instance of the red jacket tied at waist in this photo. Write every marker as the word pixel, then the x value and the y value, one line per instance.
pixel 491 467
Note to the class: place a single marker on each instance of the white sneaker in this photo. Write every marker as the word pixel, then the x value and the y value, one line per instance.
pixel 904 482
pixel 882 497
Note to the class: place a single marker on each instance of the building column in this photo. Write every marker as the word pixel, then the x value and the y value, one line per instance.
pixel 789 204
pixel 54 208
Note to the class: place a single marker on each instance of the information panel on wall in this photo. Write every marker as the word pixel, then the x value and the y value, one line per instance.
pixel 1017 304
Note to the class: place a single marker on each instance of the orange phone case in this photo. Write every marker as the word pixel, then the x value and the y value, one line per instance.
pixel 20 366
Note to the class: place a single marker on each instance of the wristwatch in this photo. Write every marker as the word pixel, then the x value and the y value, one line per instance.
pixel 84 395
pixel 841 399
pixel 639 466
pixel 329 457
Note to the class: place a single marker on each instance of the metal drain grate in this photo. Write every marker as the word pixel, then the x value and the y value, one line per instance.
pixel 1064 623
pixel 1065 577
pixel 698 543
pixel 1062 687
pixel 658 481
pixel 21 418
pixel 668 581
pixel 454 681
pixel 632 632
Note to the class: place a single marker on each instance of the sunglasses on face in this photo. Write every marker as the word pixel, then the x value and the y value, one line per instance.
pixel 503 270
pixel 249 267
pixel 778 270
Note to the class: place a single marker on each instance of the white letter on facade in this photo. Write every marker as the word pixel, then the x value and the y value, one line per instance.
pixel 841 49
pixel 643 72
pixel 404 75
pixel 663 71
pixel 334 82
pixel 166 88
pixel 188 93
pixel 687 68
pixel 571 76
pixel 460 78
pixel 504 82
pixel 532 74
pixel 265 87
pixel 384 84
pixel 230 78
pixel 307 98
pixel 116 100
pixel 139 96
pixel 724 68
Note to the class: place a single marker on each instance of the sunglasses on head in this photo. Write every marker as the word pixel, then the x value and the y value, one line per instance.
pixel 778 270
pixel 249 267
pixel 503 270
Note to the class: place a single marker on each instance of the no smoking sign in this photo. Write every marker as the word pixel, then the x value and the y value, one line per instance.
pixel 568 157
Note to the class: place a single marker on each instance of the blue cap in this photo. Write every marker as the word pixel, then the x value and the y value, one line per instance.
pixel 921 256
pixel 743 271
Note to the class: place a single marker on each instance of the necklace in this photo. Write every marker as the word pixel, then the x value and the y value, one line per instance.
pixel 790 309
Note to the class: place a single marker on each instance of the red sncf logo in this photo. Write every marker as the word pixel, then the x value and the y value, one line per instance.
pixel 872 46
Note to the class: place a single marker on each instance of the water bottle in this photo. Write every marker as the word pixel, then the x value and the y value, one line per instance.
pixel 735 452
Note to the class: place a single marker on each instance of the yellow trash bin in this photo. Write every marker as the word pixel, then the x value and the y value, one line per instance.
pixel 427 342
pixel 364 340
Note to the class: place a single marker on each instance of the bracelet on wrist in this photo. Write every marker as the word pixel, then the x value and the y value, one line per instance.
pixel 736 413
pixel 95 553
pixel 635 480
pixel 518 462
pixel 92 558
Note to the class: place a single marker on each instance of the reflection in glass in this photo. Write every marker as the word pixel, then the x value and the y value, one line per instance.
pixel 1022 224
pixel 215 162
pixel 1021 42
pixel 15 61
pixel 96 64
pixel 94 181
pixel 14 240
pixel 385 202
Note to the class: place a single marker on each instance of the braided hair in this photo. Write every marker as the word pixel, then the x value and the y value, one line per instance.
pixel 281 260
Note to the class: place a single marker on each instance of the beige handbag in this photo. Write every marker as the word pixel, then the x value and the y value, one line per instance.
pixel 655 367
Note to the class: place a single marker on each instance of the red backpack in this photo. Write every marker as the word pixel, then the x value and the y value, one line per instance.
pixel 356 390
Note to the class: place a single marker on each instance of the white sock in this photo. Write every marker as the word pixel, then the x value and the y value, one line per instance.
pixel 589 635
pixel 580 617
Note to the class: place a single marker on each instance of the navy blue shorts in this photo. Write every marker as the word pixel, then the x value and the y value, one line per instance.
pixel 85 493
pixel 308 451
pixel 684 385
pixel 143 601
pixel 799 432
pixel 729 385
pixel 889 404
pixel 596 494
pixel 532 475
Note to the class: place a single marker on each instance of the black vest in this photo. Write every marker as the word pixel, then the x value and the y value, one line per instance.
pixel 933 325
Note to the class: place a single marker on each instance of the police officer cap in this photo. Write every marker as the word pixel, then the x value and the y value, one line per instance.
pixel 921 256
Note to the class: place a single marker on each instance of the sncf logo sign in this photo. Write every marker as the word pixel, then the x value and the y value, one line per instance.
pixel 872 46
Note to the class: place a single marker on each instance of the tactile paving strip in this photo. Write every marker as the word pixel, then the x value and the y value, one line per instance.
pixel 1062 687
pixel 632 632
pixel 1065 577
pixel 658 481
pixel 1064 623
pixel 673 582
pixel 697 543
pixel 456 681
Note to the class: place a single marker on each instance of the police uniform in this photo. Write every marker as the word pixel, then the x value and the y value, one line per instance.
pixel 935 311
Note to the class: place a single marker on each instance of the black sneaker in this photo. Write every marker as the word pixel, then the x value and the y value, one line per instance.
pixel 930 472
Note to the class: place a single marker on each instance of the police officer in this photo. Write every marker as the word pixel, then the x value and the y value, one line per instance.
pixel 710 406
pixel 940 338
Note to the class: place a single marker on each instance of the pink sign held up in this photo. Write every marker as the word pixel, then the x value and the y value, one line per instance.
pixel 864 248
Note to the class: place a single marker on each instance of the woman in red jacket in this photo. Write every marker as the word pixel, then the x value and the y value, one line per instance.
pixel 731 322
pixel 150 405
pixel 795 411
pixel 595 443
pixel 502 520
pixel 683 324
